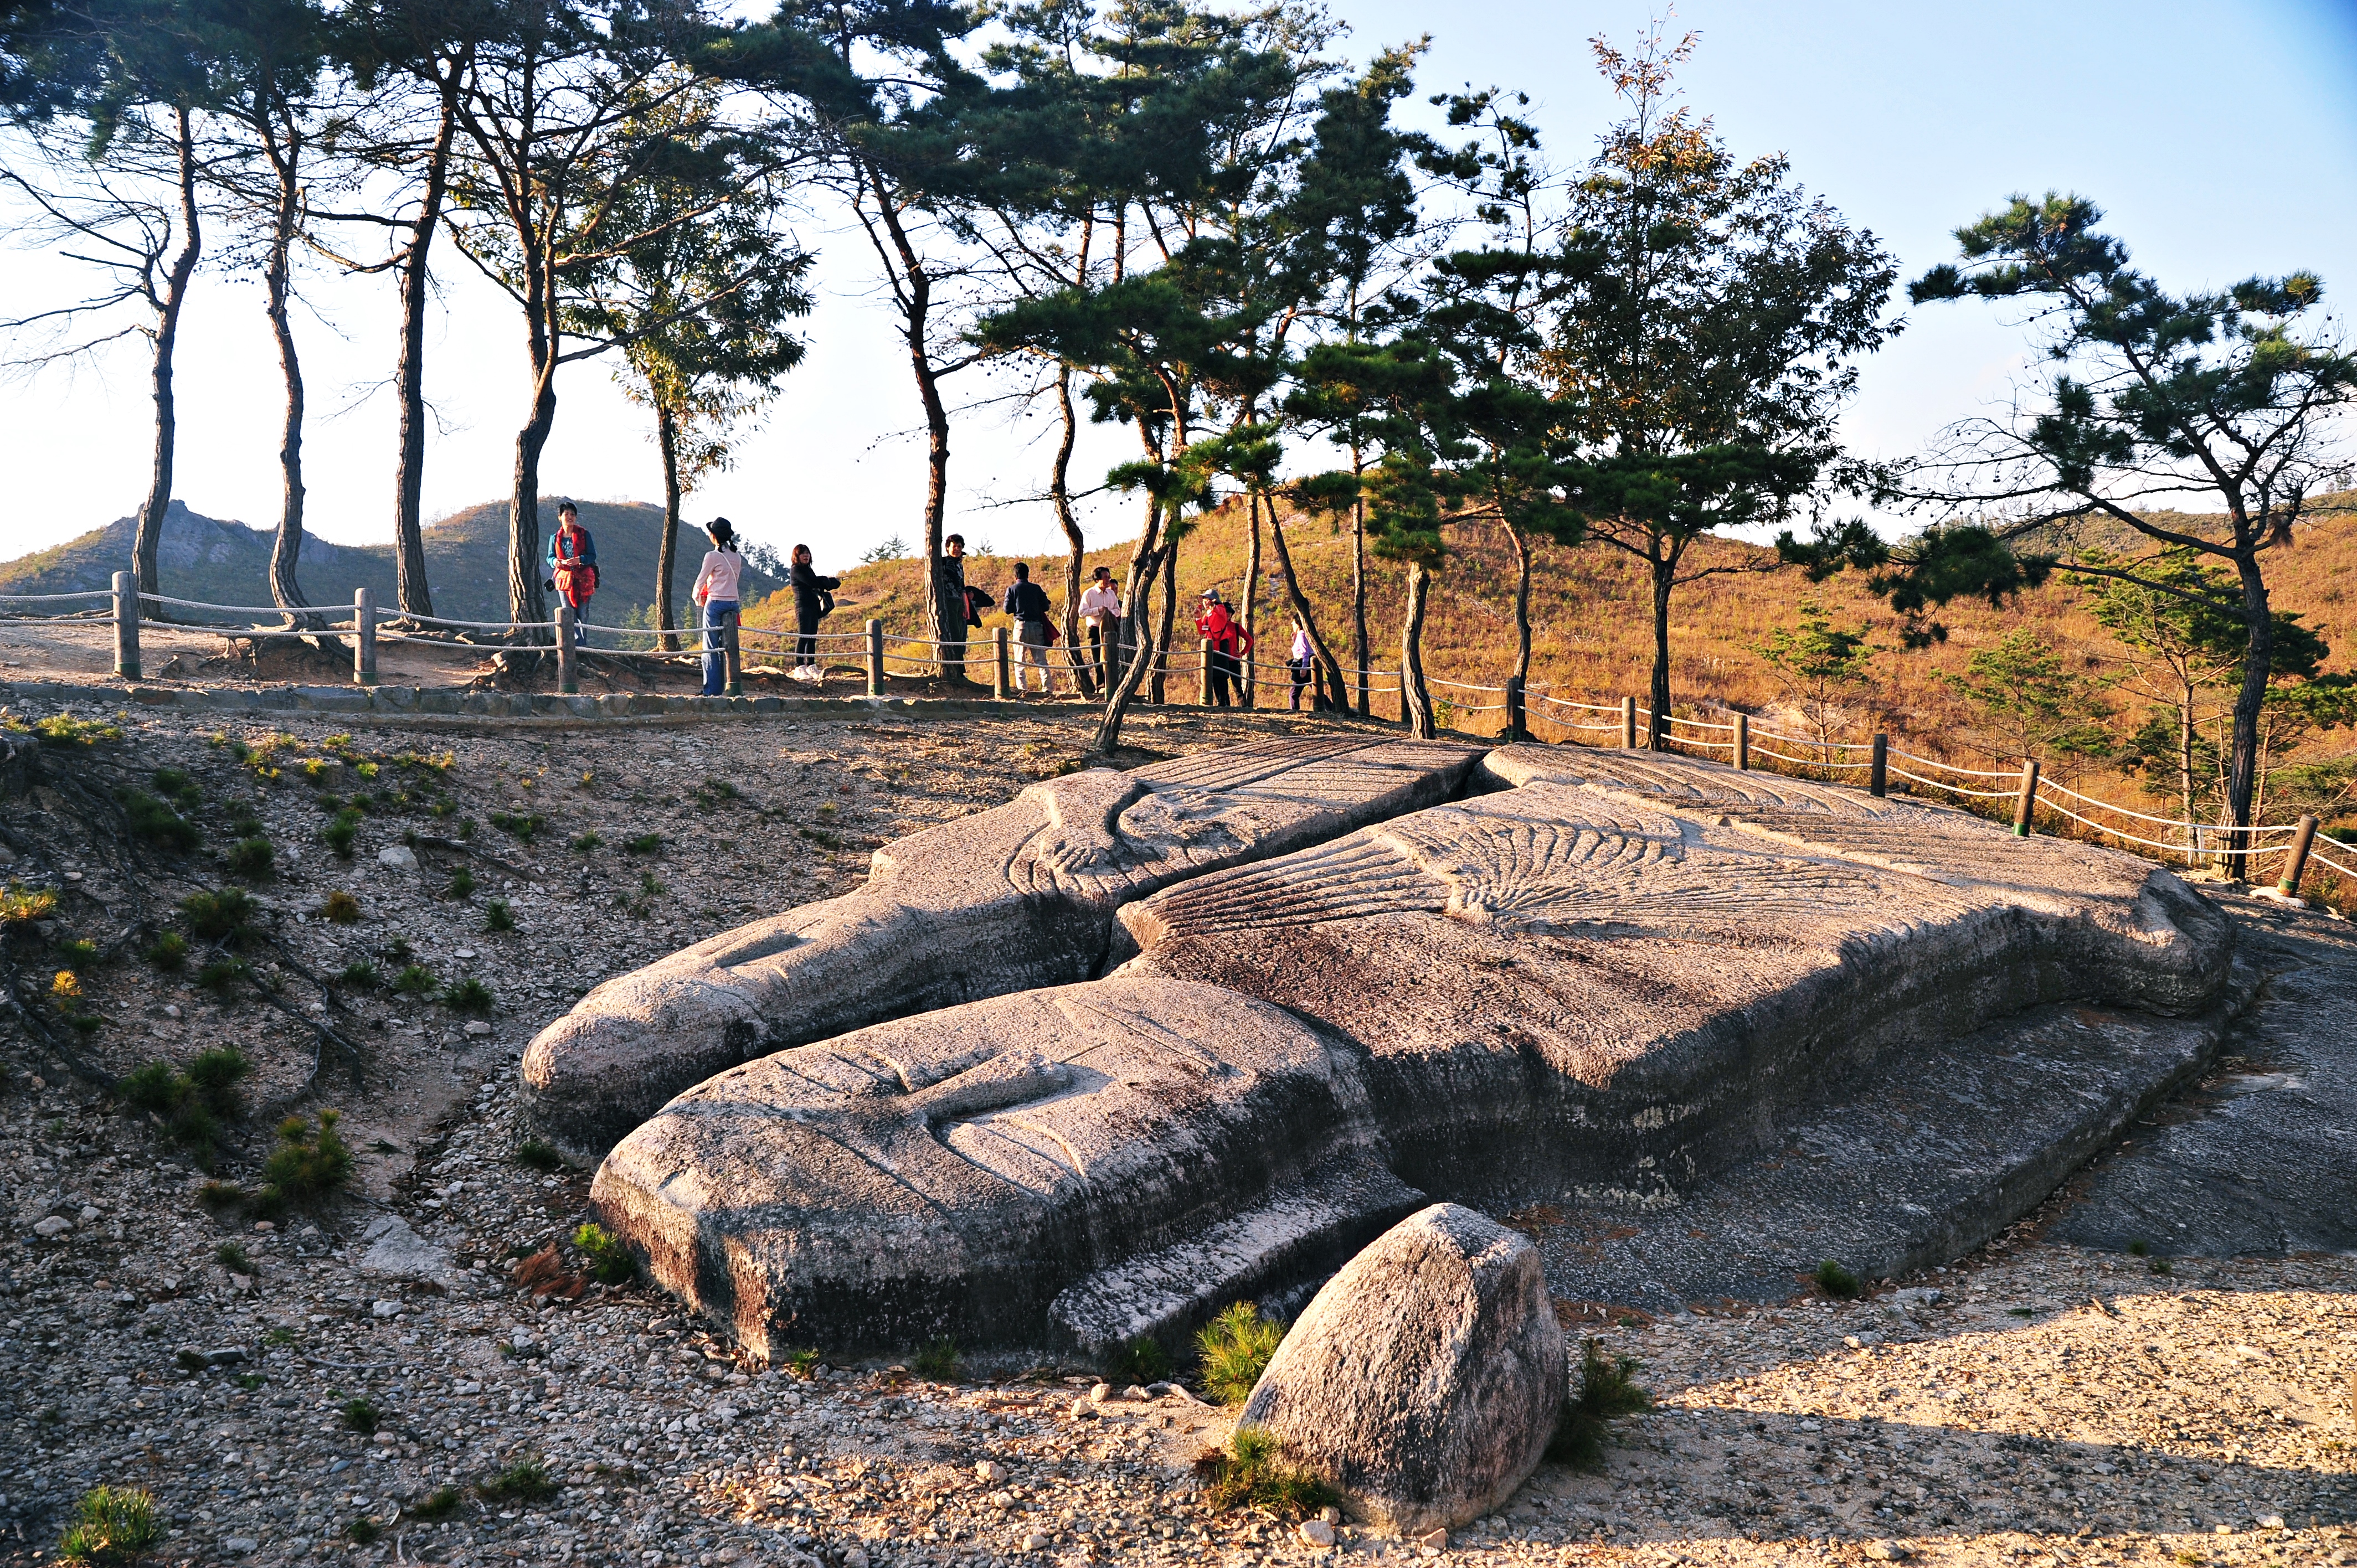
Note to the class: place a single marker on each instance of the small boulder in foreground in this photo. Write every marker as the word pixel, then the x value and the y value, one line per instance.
pixel 1424 1379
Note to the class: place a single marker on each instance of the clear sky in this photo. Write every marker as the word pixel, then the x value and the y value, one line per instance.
pixel 2221 138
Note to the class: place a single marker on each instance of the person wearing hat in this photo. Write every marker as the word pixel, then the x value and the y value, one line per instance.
pixel 1226 642
pixel 715 589
pixel 1100 611
pixel 572 558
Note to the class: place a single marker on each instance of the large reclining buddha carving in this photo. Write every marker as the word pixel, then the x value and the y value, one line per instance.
pixel 1598 977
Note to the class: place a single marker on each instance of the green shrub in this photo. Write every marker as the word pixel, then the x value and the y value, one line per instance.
pixel 608 1255
pixel 156 823
pixel 469 995
pixel 153 1086
pixel 1249 1473
pixel 1140 1359
pixel 526 1480
pixel 232 1256
pixel 22 905
pixel 252 858
pixel 521 827
pixel 364 1531
pixel 937 1359
pixel 192 1103
pixel 221 975
pixel 217 1072
pixel 1235 1348
pixel 498 916
pixel 220 1194
pixel 307 1162
pixel 2139 1248
pixel 462 883
pixel 360 1416
pixel 398 950
pixel 440 1504
pixel 361 974
pixel 66 729
pixel 341 833
pixel 588 842
pixel 1607 1390
pixel 414 981
pixel 78 950
pixel 1838 1282
pixel 340 908
pixel 539 1154
pixel 169 951
pixel 111 1524
pixel 802 1364
pixel 645 843
pixel 224 915
pixel 176 783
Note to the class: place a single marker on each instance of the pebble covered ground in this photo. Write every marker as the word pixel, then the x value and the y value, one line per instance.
pixel 422 1369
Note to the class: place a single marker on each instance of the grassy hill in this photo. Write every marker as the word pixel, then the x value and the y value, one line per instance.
pixel 465 562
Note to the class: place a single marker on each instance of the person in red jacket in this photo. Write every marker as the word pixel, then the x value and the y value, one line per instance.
pixel 1229 642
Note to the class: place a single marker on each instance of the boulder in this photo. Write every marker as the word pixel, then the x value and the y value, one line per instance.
pixel 1009 899
pixel 1423 1381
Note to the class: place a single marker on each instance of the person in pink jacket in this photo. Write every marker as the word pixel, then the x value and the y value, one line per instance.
pixel 716 591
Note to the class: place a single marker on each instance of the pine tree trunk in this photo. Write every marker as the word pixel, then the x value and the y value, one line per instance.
pixel 1416 702
pixel 411 589
pixel 2259 665
pixel 1131 672
pixel 1163 641
pixel 525 602
pixel 1362 654
pixel 147 542
pixel 1059 492
pixel 667 553
pixel 1329 672
pixel 287 546
pixel 1522 622
pixel 1657 726
pixel 1250 605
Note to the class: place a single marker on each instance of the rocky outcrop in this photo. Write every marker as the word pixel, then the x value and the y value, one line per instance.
pixel 1010 899
pixel 1424 1379
pixel 1600 984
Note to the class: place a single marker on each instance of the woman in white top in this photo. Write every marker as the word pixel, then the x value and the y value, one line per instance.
pixel 1297 665
pixel 1100 611
pixel 715 590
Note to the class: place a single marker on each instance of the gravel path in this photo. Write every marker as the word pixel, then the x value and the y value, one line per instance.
pixel 2039 1403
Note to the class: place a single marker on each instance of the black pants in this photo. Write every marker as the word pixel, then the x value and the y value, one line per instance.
pixel 1097 656
pixel 1224 670
pixel 806 641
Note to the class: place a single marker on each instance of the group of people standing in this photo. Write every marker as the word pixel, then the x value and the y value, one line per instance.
pixel 571 566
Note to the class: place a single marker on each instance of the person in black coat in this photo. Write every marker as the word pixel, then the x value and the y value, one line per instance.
pixel 813 599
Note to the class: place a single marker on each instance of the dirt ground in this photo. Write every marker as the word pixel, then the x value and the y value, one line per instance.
pixel 2039 1403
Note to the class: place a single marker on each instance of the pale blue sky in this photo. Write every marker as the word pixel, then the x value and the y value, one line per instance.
pixel 2222 138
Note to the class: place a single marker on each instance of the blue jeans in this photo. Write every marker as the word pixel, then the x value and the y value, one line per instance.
pixel 719 641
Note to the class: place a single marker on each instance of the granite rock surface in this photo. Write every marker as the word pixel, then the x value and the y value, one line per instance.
pixel 1423 1381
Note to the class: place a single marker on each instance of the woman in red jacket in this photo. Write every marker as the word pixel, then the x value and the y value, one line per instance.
pixel 1228 642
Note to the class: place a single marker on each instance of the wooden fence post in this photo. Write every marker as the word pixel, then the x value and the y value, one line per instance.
pixel 2027 802
pixel 1878 778
pixel 2296 863
pixel 1203 673
pixel 1629 723
pixel 364 637
pixel 568 675
pixel 875 658
pixel 1743 740
pixel 1000 687
pixel 126 626
pixel 1518 718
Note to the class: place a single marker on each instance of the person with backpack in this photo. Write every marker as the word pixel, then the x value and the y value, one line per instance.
pixel 813 602
pixel 1298 664
pixel 572 559
pixel 1026 604
pixel 716 590
pixel 1226 643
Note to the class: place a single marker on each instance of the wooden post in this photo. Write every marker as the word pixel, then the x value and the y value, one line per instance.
pixel 1000 686
pixel 1518 718
pixel 875 658
pixel 126 626
pixel 2027 802
pixel 1203 673
pixel 2296 863
pixel 1743 740
pixel 364 637
pixel 1878 778
pixel 568 676
pixel 1629 723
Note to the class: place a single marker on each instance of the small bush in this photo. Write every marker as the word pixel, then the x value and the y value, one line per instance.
pixel 341 833
pixel 361 974
pixel 340 908
pixel 608 1255
pixel 521 827
pixel 588 842
pixel 539 1154
pixel 649 885
pixel 470 995
pixel 22 905
pixel 2139 1248
pixel 244 824
pixel 398 950
pixel 224 915
pixel 1838 1282
pixel 360 1416
pixel 176 783
pixel 1249 1473
pixel 416 981
pixel 65 986
pixel 65 729
pixel 221 975
pixel 232 1256
pixel 802 1364
pixel 1140 1360
pixel 306 1164
pixel 191 1362
pixel 937 1359
pixel 153 1086
pixel 1607 1390
pixel 440 1504
pixel 78 950
pixel 168 952
pixel 364 1531
pixel 220 1194
pixel 252 858
pixel 526 1480
pixel 498 916
pixel 156 823
pixel 111 1524
pixel 1235 1348
pixel 462 883
pixel 217 1072
pixel 192 1103
pixel 645 843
